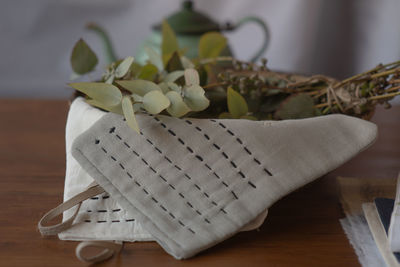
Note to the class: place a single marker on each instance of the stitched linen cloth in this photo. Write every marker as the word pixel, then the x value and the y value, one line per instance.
pixel 100 218
pixel 192 183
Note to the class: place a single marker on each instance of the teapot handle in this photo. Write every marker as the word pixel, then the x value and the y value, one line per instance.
pixel 265 29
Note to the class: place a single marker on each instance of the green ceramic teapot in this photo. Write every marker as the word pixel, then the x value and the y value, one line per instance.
pixel 189 25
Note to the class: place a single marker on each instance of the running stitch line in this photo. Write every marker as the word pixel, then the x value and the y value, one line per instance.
pixel 191 151
pixel 113 221
pixel 244 147
pixel 147 193
pixel 234 165
pixel 159 175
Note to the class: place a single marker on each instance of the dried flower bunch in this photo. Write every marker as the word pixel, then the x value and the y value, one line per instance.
pixel 214 86
pixel 273 95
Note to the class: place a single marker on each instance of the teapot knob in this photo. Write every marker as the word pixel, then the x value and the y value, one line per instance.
pixel 187 4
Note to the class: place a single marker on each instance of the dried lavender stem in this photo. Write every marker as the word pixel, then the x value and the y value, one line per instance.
pixel 356 76
pixel 383 96
pixel 384 73
pixel 392 89
pixel 376 97
pixel 366 72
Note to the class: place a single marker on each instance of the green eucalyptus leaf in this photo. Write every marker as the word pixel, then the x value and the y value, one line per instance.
pixel 211 45
pixel 296 107
pixel 237 105
pixel 169 43
pixel 154 58
pixel 174 63
pixel 110 79
pixel 173 76
pixel 187 63
pixel 175 87
pixel 203 74
pixel 178 108
pixel 135 68
pixel 191 77
pixel 129 114
pixel 114 109
pixel 164 87
pixel 170 86
pixel 140 87
pixel 155 102
pixel 123 67
pixel 83 59
pixel 137 102
pixel 195 99
pixel 137 98
pixel 271 103
pixel 107 94
pixel 148 72
pixel 225 115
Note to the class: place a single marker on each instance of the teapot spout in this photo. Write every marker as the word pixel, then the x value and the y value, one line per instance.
pixel 107 45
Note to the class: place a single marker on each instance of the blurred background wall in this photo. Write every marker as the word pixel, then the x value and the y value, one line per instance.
pixel 337 38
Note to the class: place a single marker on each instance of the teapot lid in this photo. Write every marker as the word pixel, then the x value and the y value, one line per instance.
pixel 189 21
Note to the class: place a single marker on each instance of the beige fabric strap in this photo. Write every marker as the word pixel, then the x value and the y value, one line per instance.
pixel 93 190
pixel 110 248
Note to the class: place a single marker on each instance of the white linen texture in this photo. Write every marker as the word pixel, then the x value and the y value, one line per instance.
pixel 192 183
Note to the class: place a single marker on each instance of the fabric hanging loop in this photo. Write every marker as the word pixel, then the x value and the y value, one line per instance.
pixel 110 248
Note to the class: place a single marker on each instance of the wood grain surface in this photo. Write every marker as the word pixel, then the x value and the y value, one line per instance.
pixel 302 229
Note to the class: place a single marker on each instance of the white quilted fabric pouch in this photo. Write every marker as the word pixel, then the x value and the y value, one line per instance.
pixel 100 217
pixel 192 183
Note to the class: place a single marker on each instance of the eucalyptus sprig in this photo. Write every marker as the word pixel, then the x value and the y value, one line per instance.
pixel 213 86
pixel 167 83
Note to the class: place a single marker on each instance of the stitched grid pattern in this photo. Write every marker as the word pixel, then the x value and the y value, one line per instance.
pixel 239 141
pixel 183 143
pixel 180 194
pixel 223 153
pixel 144 190
pixel 180 170
pixel 151 197
pixel 109 212
pixel 184 173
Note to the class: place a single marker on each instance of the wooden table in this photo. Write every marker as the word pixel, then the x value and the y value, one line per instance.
pixel 302 229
